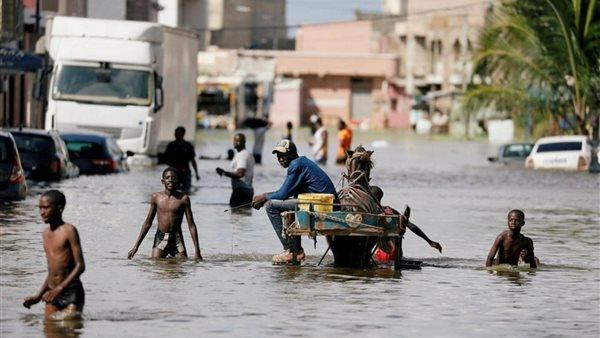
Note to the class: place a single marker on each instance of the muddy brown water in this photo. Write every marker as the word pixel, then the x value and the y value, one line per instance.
pixel 456 197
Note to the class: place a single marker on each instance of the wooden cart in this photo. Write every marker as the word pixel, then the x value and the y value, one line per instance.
pixel 347 223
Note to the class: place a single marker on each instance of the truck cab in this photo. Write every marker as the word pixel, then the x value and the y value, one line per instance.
pixel 111 80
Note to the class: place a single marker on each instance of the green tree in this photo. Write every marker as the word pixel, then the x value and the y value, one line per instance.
pixel 540 60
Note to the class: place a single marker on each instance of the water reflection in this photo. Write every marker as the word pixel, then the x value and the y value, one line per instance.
pixel 165 268
pixel 512 275
pixel 63 328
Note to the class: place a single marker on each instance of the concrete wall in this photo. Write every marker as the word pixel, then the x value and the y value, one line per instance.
pixel 322 64
pixel 345 37
pixel 328 97
pixel 286 106
pixel 107 9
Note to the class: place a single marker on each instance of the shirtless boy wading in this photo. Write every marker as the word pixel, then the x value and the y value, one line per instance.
pixel 62 290
pixel 511 243
pixel 170 205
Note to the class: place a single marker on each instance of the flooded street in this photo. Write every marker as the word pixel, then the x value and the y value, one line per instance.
pixel 457 198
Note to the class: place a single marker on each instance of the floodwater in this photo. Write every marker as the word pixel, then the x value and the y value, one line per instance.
pixel 456 197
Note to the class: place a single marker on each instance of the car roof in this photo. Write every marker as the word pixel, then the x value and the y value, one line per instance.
pixel 4 133
pixel 41 132
pixel 567 138
pixel 85 136
pixel 517 144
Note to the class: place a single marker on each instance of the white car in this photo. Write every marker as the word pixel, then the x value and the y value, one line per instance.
pixel 560 152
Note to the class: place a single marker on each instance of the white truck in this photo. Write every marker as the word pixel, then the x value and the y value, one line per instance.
pixel 133 80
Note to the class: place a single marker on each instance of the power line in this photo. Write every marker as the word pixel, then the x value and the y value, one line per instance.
pixel 379 18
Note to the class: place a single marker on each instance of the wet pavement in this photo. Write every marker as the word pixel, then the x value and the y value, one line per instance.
pixel 456 197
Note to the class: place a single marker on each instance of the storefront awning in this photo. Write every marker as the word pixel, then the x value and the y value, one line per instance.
pixel 13 60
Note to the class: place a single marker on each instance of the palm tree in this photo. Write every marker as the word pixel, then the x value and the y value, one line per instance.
pixel 541 59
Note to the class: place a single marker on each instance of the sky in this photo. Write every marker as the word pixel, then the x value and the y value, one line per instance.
pixel 317 11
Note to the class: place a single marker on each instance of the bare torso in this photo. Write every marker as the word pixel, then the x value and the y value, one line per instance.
pixel 58 254
pixel 170 211
pixel 510 248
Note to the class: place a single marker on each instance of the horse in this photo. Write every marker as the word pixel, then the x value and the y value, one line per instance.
pixel 351 251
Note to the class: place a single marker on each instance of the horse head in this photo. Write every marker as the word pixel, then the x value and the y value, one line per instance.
pixel 359 165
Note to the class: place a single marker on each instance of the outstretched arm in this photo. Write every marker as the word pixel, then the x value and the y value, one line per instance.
pixel 145 227
pixel 490 258
pixel 233 174
pixel 78 268
pixel 193 231
pixel 195 166
pixel 415 229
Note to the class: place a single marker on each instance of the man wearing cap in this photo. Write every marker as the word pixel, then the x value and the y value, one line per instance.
pixel 303 176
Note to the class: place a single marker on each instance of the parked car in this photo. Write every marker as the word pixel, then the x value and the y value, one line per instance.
pixel 13 185
pixel 95 152
pixel 560 152
pixel 512 153
pixel 44 155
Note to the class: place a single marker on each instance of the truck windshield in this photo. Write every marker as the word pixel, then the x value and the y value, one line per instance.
pixel 103 85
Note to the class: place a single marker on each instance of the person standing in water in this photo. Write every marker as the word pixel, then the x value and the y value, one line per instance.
pixel 62 289
pixel 345 138
pixel 242 173
pixel 319 146
pixel 179 154
pixel 170 205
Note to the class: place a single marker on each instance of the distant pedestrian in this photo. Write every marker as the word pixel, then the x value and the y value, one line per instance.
pixel 179 154
pixel 259 127
pixel 242 173
pixel 62 289
pixel 313 122
pixel 169 206
pixel 345 138
pixel 319 144
pixel 287 134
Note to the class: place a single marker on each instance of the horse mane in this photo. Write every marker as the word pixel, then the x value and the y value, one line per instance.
pixel 358 175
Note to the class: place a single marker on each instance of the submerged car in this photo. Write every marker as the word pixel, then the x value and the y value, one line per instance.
pixel 561 152
pixel 513 153
pixel 44 155
pixel 12 179
pixel 95 152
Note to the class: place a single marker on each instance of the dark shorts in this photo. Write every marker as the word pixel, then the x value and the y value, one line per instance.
pixel 72 294
pixel 241 196
pixel 171 243
pixel 185 179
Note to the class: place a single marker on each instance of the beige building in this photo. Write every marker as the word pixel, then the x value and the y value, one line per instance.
pixel 435 44
pixel 341 79
pixel 255 24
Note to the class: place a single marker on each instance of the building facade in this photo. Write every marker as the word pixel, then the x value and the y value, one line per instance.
pixel 251 24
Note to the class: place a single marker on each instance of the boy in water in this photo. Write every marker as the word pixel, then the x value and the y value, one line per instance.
pixel 510 243
pixel 62 290
pixel 170 205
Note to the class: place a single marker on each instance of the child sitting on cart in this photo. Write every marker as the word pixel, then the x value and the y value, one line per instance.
pixel 386 253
